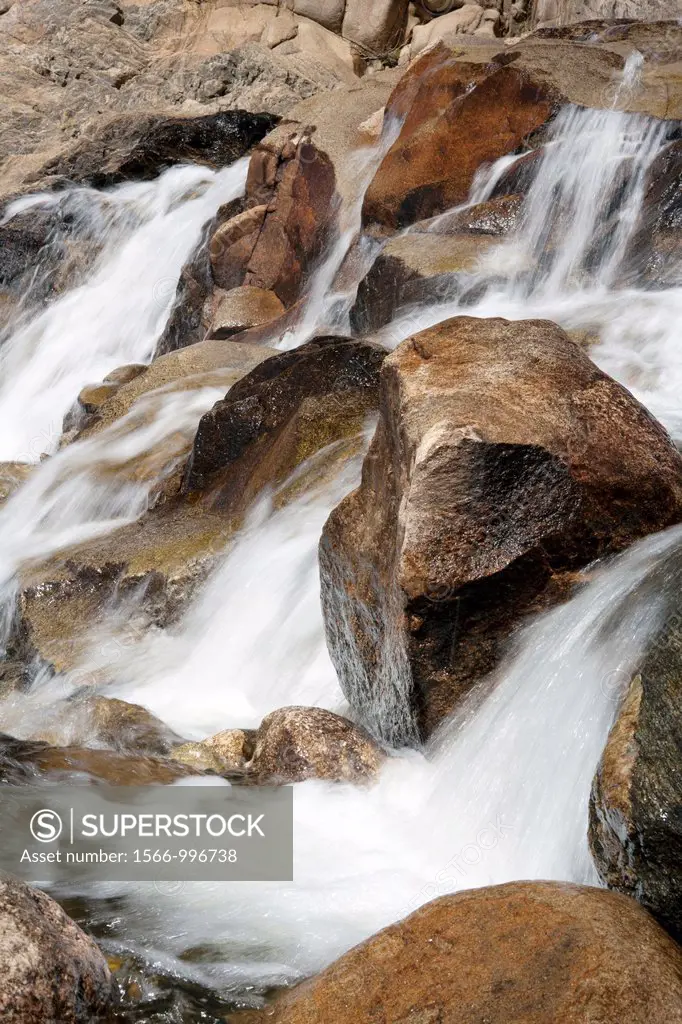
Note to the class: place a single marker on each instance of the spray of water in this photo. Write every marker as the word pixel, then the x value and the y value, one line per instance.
pixel 116 316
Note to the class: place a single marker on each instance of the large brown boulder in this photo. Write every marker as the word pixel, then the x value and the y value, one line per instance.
pixel 447 137
pixel 140 146
pixel 280 414
pixel 294 744
pixel 51 970
pixel 499 468
pixel 636 805
pixel 528 952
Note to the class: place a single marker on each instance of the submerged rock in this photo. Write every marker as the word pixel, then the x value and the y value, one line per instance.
pixel 12 476
pixel 21 760
pixel 497 470
pixel 295 744
pixel 655 249
pixel 51 970
pixel 539 952
pixel 636 804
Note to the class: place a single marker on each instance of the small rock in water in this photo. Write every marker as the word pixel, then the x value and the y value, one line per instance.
pixel 295 744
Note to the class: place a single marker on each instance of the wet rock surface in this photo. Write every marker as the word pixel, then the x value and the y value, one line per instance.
pixel 636 805
pixel 496 471
pixel 28 760
pixel 288 408
pixel 51 970
pixel 431 166
pixel 295 744
pixel 295 182
pixel 527 951
pixel 415 269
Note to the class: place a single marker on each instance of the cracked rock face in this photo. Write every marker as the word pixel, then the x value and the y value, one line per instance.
pixel 636 804
pixel 51 970
pixel 497 471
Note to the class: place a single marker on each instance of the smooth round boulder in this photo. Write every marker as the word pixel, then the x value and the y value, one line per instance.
pixel 523 953
pixel 294 744
pixel 51 970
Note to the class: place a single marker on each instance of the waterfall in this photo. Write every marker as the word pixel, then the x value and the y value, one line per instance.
pixel 563 261
pixel 503 791
pixel 116 316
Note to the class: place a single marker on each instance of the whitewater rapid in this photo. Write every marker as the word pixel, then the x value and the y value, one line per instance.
pixel 502 792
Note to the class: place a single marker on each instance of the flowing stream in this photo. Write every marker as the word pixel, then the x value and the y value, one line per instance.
pixel 502 792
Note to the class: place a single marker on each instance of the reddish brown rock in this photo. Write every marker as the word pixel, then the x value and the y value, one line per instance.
pixel 528 953
pixel 51 970
pixel 432 164
pixel 296 181
pixel 504 461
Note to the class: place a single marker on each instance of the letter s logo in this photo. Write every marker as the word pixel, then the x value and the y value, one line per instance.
pixel 46 826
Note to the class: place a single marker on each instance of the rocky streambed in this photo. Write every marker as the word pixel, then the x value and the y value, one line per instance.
pixel 339 392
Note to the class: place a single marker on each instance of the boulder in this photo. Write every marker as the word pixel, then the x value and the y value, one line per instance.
pixel 242 308
pixel 290 207
pixel 497 470
pixel 122 726
pixel 376 29
pixel 92 720
pixel 636 804
pixel 466 20
pixel 212 361
pixel 225 753
pixel 314 42
pixel 51 970
pixel 285 410
pixel 538 952
pixel 326 12
pixel 411 269
pixel 432 165
pixel 294 744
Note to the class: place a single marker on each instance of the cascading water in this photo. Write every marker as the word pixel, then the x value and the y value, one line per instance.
pixel 503 791
pixel 116 316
